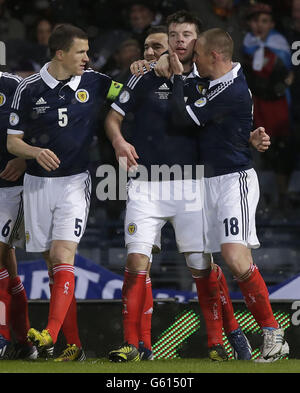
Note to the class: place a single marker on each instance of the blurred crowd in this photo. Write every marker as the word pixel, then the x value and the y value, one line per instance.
pixel 263 33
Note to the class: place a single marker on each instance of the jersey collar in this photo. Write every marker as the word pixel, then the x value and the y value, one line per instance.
pixel 229 76
pixel 193 74
pixel 52 82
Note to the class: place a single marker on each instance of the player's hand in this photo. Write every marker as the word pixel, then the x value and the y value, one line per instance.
pixel 47 159
pixel 137 68
pixel 176 65
pixel 14 169
pixel 260 139
pixel 162 67
pixel 126 154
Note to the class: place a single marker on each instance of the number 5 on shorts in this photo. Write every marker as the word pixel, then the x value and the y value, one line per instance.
pixel 78 227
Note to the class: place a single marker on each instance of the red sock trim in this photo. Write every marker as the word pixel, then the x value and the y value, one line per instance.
pixel 256 297
pixel 133 298
pixel 229 321
pixel 19 310
pixel 61 297
pixel 209 300
pixel 146 317
pixel 5 305
pixel 70 325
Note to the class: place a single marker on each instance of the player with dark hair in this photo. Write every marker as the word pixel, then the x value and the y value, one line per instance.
pixel 52 121
pixel 148 98
pixel 223 114
pixel 13 299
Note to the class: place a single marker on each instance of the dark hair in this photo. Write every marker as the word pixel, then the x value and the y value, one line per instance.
pixel 184 16
pixel 62 37
pixel 257 9
pixel 157 29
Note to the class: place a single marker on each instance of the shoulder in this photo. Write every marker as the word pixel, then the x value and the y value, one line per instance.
pixel 12 78
pixel 231 88
pixel 9 82
pixel 24 87
pixel 91 74
pixel 147 78
pixel 29 81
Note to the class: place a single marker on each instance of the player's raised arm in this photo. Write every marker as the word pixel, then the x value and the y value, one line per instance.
pixel 180 114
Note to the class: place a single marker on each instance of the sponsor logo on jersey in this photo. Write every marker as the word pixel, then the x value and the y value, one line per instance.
pixel 41 101
pixel 2 99
pixel 131 228
pixel 82 95
pixel 13 119
pixel 164 86
pixel 163 92
pixel 27 237
pixel 201 102
pixel 124 96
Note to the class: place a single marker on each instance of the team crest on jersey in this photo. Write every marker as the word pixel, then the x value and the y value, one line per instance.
pixel 2 99
pixel 131 228
pixel 13 119
pixel 201 102
pixel 82 95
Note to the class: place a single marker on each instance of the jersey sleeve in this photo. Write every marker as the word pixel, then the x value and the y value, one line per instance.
pixel 114 90
pixel 19 112
pixel 128 99
pixel 109 89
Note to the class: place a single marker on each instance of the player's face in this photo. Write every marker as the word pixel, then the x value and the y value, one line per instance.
pixel 155 45
pixel 182 37
pixel 202 59
pixel 75 59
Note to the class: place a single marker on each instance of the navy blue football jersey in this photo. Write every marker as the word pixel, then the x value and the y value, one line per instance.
pixel 224 115
pixel 145 100
pixel 8 85
pixel 60 116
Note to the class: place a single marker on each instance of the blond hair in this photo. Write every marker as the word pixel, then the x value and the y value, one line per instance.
pixel 218 40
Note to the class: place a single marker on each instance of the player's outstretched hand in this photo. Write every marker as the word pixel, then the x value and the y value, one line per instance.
pixel 47 159
pixel 137 67
pixel 260 139
pixel 13 169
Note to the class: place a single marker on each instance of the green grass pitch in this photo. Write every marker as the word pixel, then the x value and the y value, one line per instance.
pixel 157 366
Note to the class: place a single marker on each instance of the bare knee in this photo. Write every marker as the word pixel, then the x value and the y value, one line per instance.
pixel 62 252
pixel 199 263
pixel 200 273
pixel 237 257
pixel 137 262
pixel 8 259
